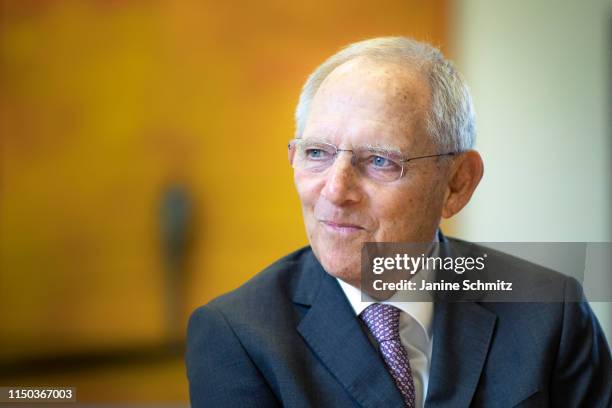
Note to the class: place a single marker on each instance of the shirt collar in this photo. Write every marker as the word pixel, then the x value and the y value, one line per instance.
pixel 421 312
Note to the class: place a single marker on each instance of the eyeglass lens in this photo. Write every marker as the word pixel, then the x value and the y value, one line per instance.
pixel 317 157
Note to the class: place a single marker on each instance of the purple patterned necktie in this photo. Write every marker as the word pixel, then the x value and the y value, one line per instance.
pixel 383 322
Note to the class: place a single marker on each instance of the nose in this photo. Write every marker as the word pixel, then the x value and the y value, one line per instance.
pixel 342 183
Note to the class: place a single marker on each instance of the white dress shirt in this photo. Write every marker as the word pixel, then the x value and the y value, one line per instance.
pixel 415 333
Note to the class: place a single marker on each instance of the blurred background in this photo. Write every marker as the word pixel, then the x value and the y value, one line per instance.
pixel 143 165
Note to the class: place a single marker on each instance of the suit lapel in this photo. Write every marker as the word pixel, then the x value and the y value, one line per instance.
pixel 334 334
pixel 462 335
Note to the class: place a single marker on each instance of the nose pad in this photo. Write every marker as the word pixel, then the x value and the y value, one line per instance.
pixel 354 161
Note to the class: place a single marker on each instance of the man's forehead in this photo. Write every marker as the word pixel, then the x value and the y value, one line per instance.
pixel 397 88
pixel 378 101
pixel 391 76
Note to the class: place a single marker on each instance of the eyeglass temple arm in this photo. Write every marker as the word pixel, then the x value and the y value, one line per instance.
pixel 431 155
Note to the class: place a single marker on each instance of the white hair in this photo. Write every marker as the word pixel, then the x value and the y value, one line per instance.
pixel 451 118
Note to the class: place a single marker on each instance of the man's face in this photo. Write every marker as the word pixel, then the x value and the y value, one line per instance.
pixel 364 102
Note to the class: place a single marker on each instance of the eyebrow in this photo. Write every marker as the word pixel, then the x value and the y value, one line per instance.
pixel 376 147
pixel 384 149
pixel 316 140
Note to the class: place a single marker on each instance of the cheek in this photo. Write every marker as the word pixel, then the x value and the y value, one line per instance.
pixel 394 217
pixel 308 191
pixel 409 214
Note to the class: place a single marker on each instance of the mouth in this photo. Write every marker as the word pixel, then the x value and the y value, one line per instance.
pixel 343 228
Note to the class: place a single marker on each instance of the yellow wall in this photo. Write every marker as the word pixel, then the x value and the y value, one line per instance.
pixel 103 104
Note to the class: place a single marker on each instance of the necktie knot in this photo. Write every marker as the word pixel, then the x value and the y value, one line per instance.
pixel 383 321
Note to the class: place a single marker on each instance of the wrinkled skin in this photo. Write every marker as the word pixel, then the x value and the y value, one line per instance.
pixel 377 103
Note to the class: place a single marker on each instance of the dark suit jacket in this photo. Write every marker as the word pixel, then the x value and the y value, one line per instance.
pixel 290 337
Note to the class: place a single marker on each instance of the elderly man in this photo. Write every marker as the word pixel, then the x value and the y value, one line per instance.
pixel 383 151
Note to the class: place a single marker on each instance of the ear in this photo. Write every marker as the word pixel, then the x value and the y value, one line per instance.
pixel 465 175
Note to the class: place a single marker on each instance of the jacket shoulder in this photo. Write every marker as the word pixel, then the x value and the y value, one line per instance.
pixel 524 274
pixel 269 292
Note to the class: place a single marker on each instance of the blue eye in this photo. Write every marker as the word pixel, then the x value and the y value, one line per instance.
pixel 314 153
pixel 317 154
pixel 380 161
